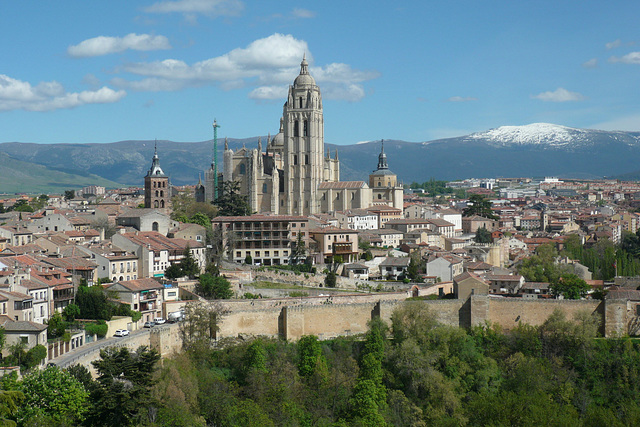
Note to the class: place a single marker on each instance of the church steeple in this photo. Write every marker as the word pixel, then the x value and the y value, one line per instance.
pixel 382 158
pixel 155 169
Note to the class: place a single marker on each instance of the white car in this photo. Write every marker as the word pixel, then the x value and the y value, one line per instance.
pixel 121 333
pixel 159 321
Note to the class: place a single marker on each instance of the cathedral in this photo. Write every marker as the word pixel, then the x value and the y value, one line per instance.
pixel 294 176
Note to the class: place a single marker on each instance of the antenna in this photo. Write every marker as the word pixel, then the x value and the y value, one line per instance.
pixel 215 158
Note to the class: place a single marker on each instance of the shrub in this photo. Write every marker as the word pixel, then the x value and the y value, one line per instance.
pixel 99 329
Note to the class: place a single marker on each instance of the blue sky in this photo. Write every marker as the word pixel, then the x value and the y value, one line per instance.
pixel 104 71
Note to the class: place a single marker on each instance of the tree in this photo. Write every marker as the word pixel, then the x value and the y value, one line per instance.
pixel 570 286
pixel 93 303
pixel 330 280
pixel 56 326
pixel 213 287
pixel 413 271
pixel 173 271
pixel 479 205
pixel 248 260
pixel 200 325
pixel 200 219
pixel 71 312
pixel 9 401
pixel 483 235
pixel 69 194
pixel 189 265
pixel 310 358
pixel 299 249
pixel 54 393
pixel 22 206
pixel 230 202
pixel 122 393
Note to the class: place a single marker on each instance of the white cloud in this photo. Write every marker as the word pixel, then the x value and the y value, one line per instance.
pixel 46 96
pixel 559 95
pixel 270 64
pixel 614 44
pixel 106 45
pixel 191 7
pixel 303 13
pixel 592 63
pixel 462 99
pixel 629 58
pixel 268 92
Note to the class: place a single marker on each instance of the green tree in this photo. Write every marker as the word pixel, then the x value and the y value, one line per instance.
pixel 93 303
pixel 71 312
pixel 54 393
pixel 299 250
pixel 122 393
pixel 479 205
pixel 200 325
pixel 331 280
pixel 56 325
pixel 188 265
pixel 230 202
pixel 201 219
pixel 214 287
pixel 483 235
pixel 173 271
pixel 310 359
pixel 69 194
pixel 248 260
pixel 10 401
pixel 570 286
pixel 413 271
pixel 22 206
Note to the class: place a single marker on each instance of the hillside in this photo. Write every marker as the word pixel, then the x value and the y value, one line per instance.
pixel 533 150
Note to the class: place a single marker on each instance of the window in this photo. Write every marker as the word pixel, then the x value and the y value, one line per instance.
pixel 264 188
pixel 281 202
pixel 24 340
pixel 295 159
pixel 161 193
pixel 306 159
pixel 302 225
pixel 300 103
pixel 257 253
pixel 155 204
pixel 243 169
pixel 305 128
pixel 353 196
pixel 379 196
pixel 296 128
pixel 162 203
pixel 379 183
pixel 155 226
pixel 157 192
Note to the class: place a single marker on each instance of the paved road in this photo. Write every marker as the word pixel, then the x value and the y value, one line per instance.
pixel 71 358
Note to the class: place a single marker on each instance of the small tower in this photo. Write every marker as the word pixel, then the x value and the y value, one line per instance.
pixel 156 185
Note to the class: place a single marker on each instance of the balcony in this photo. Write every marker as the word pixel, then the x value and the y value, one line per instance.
pixel 148 296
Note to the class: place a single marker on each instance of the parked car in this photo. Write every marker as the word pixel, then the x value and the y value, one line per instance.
pixel 159 321
pixel 149 324
pixel 121 333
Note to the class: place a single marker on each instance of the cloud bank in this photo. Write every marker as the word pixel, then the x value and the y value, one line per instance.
pixel 559 95
pixel 46 96
pixel 102 45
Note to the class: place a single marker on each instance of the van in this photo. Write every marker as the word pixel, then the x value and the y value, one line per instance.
pixel 159 321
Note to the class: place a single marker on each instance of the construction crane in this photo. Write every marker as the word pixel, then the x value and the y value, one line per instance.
pixel 215 159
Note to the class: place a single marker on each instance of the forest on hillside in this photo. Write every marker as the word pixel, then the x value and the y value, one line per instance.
pixel 411 372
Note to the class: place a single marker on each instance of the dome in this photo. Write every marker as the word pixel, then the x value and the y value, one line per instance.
pixel 304 79
pixel 278 139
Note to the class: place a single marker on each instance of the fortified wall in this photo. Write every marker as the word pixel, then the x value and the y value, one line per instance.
pixel 329 317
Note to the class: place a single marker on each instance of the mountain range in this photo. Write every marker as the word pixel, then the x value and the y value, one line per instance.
pixel 537 149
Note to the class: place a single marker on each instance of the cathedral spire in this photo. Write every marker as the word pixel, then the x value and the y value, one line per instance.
pixel 304 66
pixel 259 145
pixel 336 154
pixel 382 158
pixel 226 143
pixel 155 169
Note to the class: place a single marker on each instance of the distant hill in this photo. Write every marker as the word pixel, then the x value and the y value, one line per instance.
pixel 532 150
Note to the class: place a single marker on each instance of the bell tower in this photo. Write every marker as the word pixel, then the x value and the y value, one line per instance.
pixel 303 130
pixel 156 185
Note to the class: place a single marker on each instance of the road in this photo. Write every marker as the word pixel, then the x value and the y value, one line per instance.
pixel 71 358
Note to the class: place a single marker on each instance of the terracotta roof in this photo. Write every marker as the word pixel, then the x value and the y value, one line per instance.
pixel 260 218
pixel 332 230
pixel 23 326
pixel 139 285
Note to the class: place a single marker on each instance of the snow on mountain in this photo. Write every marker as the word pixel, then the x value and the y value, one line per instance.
pixel 534 134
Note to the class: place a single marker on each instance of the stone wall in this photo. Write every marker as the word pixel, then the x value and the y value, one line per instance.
pixel 508 312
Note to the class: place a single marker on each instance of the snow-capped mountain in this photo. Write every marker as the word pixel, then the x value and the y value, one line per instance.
pixel 551 136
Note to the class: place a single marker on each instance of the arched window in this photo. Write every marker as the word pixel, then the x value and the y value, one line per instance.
pixel 157 192
pixel 305 128
pixel 161 193
pixel 338 196
pixel 379 196
pixel 353 196
pixel 243 169
pixel 295 159
pixel 306 159
pixel 164 184
pixel 379 184
pixel 155 204
pixel 154 184
pixel 296 128
pixel 121 278
pixel 162 203
pixel 155 226
pixel 300 102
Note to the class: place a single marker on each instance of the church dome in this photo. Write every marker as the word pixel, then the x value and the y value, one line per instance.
pixel 278 140
pixel 304 79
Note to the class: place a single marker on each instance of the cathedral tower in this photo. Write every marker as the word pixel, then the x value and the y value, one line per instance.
pixel 303 129
pixel 156 185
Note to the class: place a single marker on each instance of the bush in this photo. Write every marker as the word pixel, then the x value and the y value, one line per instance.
pixel 331 280
pixel 99 329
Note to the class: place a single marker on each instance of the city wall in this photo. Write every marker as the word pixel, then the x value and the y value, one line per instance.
pixel 343 315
